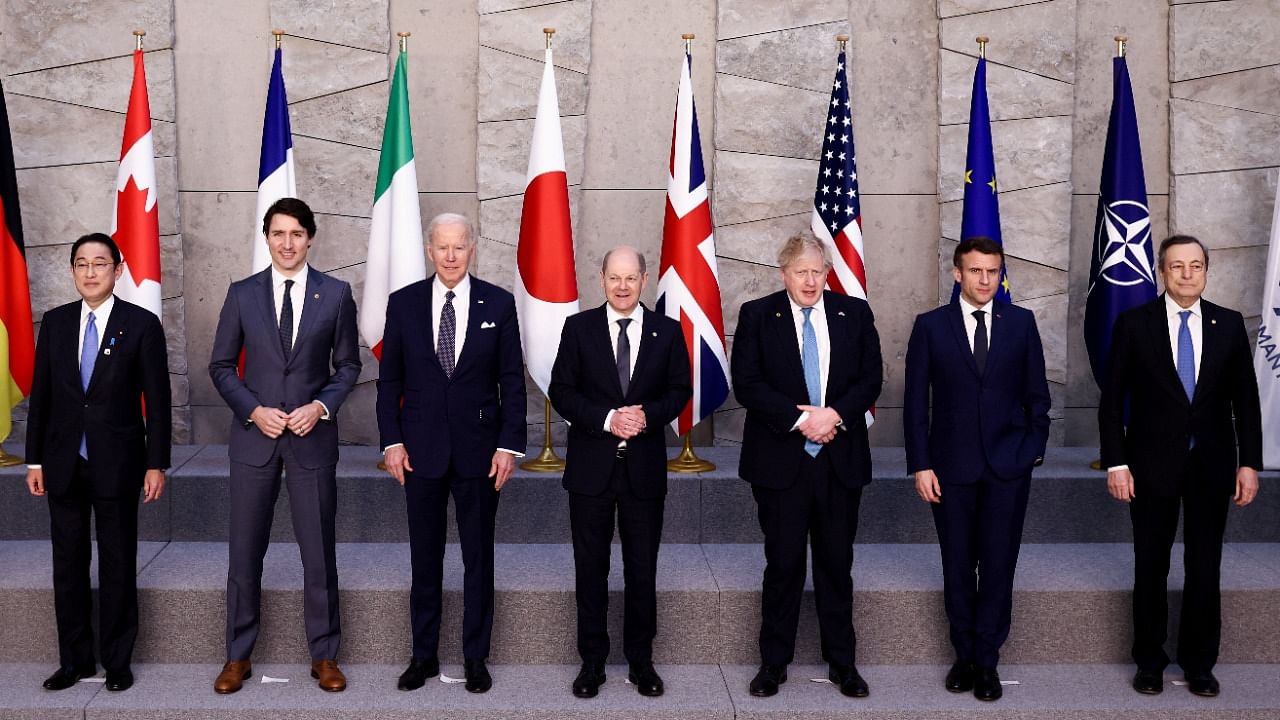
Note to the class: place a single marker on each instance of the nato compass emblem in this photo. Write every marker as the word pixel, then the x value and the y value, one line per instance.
pixel 1125 258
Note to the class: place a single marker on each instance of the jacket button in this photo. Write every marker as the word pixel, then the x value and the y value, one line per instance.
pixel 286 372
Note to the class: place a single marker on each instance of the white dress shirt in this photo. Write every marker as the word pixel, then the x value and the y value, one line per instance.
pixel 461 311
pixel 297 298
pixel 633 336
pixel 100 318
pixel 818 319
pixel 971 322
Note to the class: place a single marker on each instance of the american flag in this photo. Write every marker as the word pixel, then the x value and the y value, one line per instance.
pixel 837 209
pixel 688 282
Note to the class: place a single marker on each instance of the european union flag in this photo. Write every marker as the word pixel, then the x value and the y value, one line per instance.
pixel 1121 272
pixel 981 203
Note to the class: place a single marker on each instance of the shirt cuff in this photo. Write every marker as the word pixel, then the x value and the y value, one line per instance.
pixel 1117 467
pixel 385 449
pixel 511 452
pixel 800 421
pixel 324 416
pixel 35 467
pixel 608 419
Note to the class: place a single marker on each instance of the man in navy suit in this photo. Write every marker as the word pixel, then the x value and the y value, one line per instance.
pixel 1181 428
pixel 620 375
pixel 981 362
pixel 806 366
pixel 451 413
pixel 297 328
pixel 91 450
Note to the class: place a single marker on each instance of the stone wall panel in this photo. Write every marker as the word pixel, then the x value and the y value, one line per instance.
pixel 82 203
pixel 951 8
pixel 1011 93
pixel 1028 153
pixel 772 119
pixel 102 84
pixel 1035 223
pixel 503 154
pixel 758 187
pixel 1207 138
pixel 355 117
pixel 519 31
pixel 1222 37
pixel 1226 209
pixel 335 178
pixel 356 23
pixel 41 34
pixel 800 57
pixel 758 241
pixel 1256 90
pixel 509 84
pixel 1038 38
pixel 312 69
pixel 738 18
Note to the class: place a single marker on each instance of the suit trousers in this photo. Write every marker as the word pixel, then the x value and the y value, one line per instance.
pixel 640 529
pixel 980 533
pixel 1155 522
pixel 116 520
pixel 476 507
pixel 820 512
pixel 313 505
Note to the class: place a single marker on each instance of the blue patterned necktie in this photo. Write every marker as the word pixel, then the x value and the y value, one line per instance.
pixel 1186 357
pixel 448 335
pixel 286 319
pixel 88 356
pixel 812 373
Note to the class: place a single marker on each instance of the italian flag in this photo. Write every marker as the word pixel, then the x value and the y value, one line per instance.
pixel 395 240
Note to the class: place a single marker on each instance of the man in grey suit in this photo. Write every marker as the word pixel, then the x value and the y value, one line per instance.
pixel 297 328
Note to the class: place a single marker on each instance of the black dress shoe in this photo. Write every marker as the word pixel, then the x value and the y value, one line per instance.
pixel 986 685
pixel 767 680
pixel 647 681
pixel 960 676
pixel 850 682
pixel 415 676
pixel 1148 682
pixel 478 678
pixel 1203 684
pixel 589 680
pixel 64 678
pixel 119 680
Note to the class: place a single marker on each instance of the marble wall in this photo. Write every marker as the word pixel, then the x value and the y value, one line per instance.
pixel 1206 79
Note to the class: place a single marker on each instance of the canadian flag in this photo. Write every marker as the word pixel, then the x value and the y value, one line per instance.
pixel 135 224
pixel 546 287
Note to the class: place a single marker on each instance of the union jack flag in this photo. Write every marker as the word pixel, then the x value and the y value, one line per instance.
pixel 837 209
pixel 688 282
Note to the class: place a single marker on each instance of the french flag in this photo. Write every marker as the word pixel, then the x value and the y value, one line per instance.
pixel 276 177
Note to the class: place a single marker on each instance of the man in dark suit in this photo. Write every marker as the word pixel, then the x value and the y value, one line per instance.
pixel 1180 426
pixel 982 362
pixel 297 327
pixel 451 397
pixel 806 366
pixel 620 375
pixel 99 360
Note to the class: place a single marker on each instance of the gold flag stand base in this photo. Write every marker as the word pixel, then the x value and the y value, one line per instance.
pixel 687 461
pixel 7 460
pixel 547 460
pixel 1096 464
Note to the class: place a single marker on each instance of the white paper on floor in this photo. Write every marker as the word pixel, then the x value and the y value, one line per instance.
pixel 94 679
pixel 451 680
pixel 268 679
pixel 820 680
pixel 1179 682
pixel 1010 682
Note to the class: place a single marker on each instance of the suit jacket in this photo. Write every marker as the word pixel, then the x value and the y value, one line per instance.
pixel 323 365
pixel 999 419
pixel 1155 441
pixel 768 379
pixel 585 387
pixel 132 366
pixel 462 419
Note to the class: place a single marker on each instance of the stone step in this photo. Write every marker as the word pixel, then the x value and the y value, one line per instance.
pixel 693 692
pixel 1071 604
pixel 1069 503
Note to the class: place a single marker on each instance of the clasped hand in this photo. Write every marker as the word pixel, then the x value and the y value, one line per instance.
pixel 627 422
pixel 821 425
pixel 272 422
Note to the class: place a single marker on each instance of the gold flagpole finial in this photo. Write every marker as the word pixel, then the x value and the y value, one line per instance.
pixel 404 40
pixel 137 36
pixel 279 34
pixel 1120 43
pixel 982 45
pixel 688 43
pixel 549 32
pixel 842 41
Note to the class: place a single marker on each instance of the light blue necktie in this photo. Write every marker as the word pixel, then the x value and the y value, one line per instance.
pixel 1186 357
pixel 88 355
pixel 812 373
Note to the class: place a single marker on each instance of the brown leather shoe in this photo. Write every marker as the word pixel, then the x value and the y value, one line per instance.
pixel 232 677
pixel 330 677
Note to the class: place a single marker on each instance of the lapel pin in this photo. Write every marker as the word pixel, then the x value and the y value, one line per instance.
pixel 1213 322
pixel 316 296
pixel 479 302
pixel 112 343
pixel 107 351
pixel 655 334
pixel 840 313
pixel 777 314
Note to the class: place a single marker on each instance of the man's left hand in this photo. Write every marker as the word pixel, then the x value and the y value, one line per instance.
pixel 504 463
pixel 820 426
pixel 152 485
pixel 303 419
pixel 1246 486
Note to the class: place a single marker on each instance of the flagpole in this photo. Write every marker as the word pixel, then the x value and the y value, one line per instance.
pixel 138 35
pixel 278 34
pixel 982 45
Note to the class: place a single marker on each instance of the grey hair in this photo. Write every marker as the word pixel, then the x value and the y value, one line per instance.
pixel 1180 240
pixel 798 244
pixel 644 266
pixel 452 219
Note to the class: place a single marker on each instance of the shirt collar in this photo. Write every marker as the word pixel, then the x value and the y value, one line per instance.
pixel 968 309
pixel 797 310
pixel 1172 308
pixel 278 278
pixel 100 312
pixel 614 316
pixel 461 291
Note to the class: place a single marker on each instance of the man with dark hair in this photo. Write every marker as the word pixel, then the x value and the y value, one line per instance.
pixel 297 328
pixel 98 362
pixel 1181 429
pixel 981 363
pixel 806 365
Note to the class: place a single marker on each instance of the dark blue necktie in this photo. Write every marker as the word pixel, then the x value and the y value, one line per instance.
pixel 622 355
pixel 812 373
pixel 1186 357
pixel 88 356
pixel 448 335
pixel 286 319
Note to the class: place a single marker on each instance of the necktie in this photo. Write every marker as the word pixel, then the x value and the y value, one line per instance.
pixel 812 373
pixel 286 319
pixel 448 335
pixel 88 356
pixel 623 355
pixel 980 341
pixel 1186 357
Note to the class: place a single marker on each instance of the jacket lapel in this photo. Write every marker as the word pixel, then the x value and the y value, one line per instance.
pixel 1158 324
pixel 317 294
pixel 599 335
pixel 644 357
pixel 1211 354
pixel 267 305
pixel 112 334
pixel 784 338
pixel 474 308
pixel 955 318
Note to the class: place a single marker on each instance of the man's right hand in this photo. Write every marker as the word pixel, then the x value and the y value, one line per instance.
pixel 397 461
pixel 927 486
pixel 1120 484
pixel 627 422
pixel 270 421
pixel 35 481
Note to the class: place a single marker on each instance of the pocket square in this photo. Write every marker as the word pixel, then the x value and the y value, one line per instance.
pixel 486 325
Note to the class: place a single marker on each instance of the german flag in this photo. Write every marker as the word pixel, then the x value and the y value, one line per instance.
pixel 17 346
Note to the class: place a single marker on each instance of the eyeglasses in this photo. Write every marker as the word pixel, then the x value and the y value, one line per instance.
pixel 1195 267
pixel 99 266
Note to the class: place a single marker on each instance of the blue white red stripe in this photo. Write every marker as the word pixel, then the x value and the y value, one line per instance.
pixel 276 177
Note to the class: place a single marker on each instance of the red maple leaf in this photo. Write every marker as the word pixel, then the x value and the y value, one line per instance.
pixel 138 233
